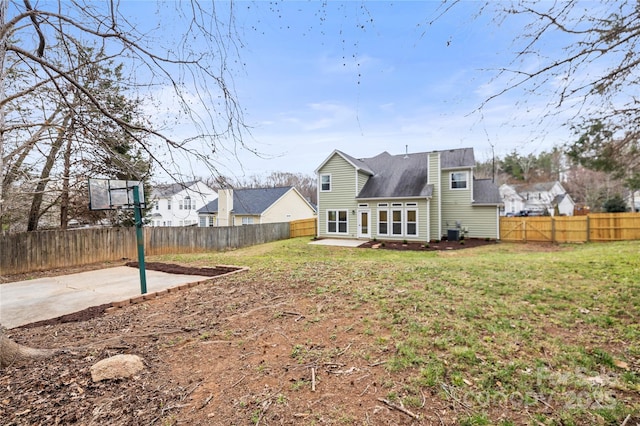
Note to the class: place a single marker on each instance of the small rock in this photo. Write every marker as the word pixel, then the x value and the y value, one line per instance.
pixel 116 367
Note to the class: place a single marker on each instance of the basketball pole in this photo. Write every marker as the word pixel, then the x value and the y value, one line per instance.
pixel 140 238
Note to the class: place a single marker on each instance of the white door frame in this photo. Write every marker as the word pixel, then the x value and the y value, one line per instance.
pixel 368 225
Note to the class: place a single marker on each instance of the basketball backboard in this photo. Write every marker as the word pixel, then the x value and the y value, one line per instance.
pixel 110 194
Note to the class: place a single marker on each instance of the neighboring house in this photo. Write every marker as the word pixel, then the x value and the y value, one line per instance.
pixel 254 206
pixel 536 199
pixel 417 197
pixel 177 204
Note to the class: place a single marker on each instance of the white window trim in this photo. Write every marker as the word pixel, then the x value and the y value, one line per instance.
pixel 406 222
pixel 337 231
pixel 466 177
pixel 330 182
pixel 403 209
pixel 378 222
pixel 392 222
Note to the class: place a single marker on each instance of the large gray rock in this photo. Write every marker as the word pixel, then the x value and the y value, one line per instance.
pixel 116 367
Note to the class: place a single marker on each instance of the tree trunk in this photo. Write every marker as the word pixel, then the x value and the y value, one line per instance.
pixel 36 203
pixel 12 353
pixel 3 52
pixel 64 197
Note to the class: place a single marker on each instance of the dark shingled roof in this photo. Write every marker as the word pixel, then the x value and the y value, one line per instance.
pixel 486 192
pixel 250 201
pixel 456 158
pixel 397 176
pixel 168 189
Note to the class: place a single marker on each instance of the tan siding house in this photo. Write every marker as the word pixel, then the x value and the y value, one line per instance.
pixel 254 206
pixel 414 197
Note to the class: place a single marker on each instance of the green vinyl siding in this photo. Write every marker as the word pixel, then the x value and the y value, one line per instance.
pixel 342 194
pixel 362 179
pixel 434 179
pixel 457 208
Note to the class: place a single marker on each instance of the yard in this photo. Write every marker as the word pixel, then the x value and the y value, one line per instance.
pixel 504 334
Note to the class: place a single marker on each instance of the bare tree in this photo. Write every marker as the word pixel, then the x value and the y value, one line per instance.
pixel 587 65
pixel 46 99
pixel 196 66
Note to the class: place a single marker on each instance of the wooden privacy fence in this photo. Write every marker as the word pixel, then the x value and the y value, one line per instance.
pixel 572 229
pixel 37 251
pixel 304 228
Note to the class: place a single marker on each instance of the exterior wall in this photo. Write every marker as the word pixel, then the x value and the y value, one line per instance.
pixel 236 220
pixel 484 222
pixel 161 215
pixel 566 207
pixel 362 178
pixel 341 197
pixel 435 230
pixel 291 206
pixel 456 204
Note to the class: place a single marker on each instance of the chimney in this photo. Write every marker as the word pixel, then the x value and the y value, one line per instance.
pixel 225 207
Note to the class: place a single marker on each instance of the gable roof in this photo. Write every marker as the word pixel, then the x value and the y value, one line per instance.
pixel 397 176
pixel 485 191
pixel 250 201
pixel 166 190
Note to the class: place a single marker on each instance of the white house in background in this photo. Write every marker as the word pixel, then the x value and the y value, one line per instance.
pixel 255 205
pixel 177 204
pixel 536 199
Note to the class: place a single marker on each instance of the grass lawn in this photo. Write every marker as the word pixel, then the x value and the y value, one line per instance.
pixel 506 334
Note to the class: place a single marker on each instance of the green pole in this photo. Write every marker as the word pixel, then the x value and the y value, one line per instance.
pixel 138 216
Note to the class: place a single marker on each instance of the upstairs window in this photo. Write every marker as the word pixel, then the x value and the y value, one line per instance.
pixel 325 183
pixel 459 180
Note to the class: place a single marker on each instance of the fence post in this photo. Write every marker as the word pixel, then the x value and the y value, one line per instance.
pixel 553 229
pixel 588 229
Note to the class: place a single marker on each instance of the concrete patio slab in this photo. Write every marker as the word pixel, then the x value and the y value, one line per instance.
pixel 337 242
pixel 24 302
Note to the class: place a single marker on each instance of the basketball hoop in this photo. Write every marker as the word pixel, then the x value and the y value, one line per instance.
pixel 113 194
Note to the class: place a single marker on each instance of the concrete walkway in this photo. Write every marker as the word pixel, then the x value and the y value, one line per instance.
pixel 24 302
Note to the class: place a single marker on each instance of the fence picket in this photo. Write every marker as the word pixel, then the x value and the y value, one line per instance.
pixel 572 229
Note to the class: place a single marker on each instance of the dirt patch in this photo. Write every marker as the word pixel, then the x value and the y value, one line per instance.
pixel 431 246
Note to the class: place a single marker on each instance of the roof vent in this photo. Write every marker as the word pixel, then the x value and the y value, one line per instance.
pixel 406 151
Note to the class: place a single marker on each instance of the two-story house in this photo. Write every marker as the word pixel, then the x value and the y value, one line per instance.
pixel 413 197
pixel 177 204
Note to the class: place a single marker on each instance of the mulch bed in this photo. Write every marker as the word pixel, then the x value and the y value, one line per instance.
pixel 184 270
pixel 431 246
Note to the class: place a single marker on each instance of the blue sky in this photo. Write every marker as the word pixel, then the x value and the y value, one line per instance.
pixel 367 77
